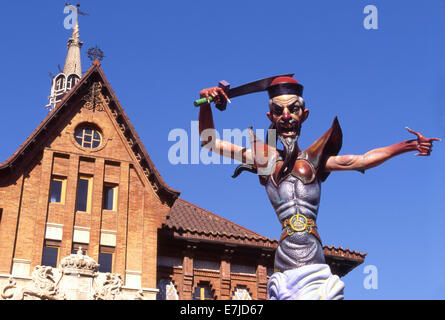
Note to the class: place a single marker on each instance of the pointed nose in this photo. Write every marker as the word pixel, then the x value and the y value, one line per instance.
pixel 286 114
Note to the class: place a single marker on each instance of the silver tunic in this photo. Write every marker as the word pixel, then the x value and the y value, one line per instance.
pixel 289 198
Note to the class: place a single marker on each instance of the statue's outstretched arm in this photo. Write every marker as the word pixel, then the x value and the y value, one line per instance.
pixel 376 157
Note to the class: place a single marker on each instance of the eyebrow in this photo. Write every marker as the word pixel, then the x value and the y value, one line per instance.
pixel 289 104
pixel 274 104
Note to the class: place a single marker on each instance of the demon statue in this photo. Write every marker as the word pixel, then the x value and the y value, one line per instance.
pixel 292 178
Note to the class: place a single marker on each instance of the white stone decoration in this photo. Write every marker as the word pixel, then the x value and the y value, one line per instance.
pixel 167 290
pixel 108 238
pixel 54 231
pixel 241 293
pixel 81 235
pixel 77 278
pixel 21 267
pixel 133 279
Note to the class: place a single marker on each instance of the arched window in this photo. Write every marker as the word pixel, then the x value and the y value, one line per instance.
pixel 203 292
pixel 88 136
pixel 72 80
pixel 60 82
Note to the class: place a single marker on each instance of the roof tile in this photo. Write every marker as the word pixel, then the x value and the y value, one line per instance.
pixel 189 217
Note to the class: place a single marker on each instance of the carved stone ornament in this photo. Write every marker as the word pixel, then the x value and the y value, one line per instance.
pixel 77 278
pixel 79 264
pixel 94 99
pixel 42 287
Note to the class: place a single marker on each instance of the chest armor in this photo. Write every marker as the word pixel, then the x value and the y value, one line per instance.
pixel 303 170
pixel 309 164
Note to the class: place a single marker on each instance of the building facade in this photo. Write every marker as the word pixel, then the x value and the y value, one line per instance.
pixel 83 183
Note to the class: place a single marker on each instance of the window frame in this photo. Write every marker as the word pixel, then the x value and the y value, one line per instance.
pixel 60 83
pixel 89 192
pixel 115 189
pixel 62 189
pixel 71 81
pixel 81 136
pixel 107 250
pixel 51 244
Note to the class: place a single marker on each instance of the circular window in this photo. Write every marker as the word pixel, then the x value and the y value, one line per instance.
pixel 88 137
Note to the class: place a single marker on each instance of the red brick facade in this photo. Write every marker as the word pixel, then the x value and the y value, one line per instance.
pixel 52 151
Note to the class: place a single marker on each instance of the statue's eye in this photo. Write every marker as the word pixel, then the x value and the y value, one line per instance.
pixel 277 110
pixel 295 108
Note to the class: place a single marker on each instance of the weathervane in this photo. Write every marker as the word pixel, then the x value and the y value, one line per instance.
pixel 76 8
pixel 95 53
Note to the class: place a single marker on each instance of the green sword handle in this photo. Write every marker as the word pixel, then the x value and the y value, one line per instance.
pixel 202 101
pixel 221 105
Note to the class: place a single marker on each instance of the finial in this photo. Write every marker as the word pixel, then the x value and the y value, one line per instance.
pixel 95 54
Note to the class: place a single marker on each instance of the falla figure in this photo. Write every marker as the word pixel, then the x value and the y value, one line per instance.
pixel 292 178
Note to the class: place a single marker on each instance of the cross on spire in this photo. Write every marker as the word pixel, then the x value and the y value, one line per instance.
pixel 95 54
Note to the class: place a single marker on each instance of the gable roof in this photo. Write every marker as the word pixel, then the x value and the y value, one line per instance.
pixel 95 72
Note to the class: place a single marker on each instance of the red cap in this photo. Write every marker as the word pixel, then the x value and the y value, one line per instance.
pixel 284 85
pixel 283 80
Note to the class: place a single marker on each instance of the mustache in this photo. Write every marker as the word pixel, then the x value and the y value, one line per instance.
pixel 291 121
pixel 286 125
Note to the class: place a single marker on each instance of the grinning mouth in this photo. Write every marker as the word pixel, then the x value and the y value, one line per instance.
pixel 288 130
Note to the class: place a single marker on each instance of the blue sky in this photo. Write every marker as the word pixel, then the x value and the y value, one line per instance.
pixel 160 54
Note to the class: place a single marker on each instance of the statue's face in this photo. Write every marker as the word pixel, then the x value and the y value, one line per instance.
pixel 287 115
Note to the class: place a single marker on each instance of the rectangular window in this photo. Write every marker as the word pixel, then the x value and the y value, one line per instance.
pixel 58 190
pixel 106 254
pixel 84 194
pixel 110 198
pixel 105 261
pixel 50 256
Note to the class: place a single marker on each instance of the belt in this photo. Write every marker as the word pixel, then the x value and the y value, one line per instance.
pixel 299 223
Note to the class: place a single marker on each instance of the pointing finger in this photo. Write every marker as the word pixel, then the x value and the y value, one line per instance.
pixel 414 132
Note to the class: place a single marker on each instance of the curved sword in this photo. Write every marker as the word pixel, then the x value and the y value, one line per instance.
pixel 251 87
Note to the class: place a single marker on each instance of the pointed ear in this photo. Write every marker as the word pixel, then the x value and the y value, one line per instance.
pixel 305 114
pixel 269 116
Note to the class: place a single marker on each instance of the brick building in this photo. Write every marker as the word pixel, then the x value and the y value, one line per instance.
pixel 83 179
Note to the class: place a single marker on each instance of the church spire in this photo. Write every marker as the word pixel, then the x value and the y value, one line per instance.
pixel 72 70
pixel 73 64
